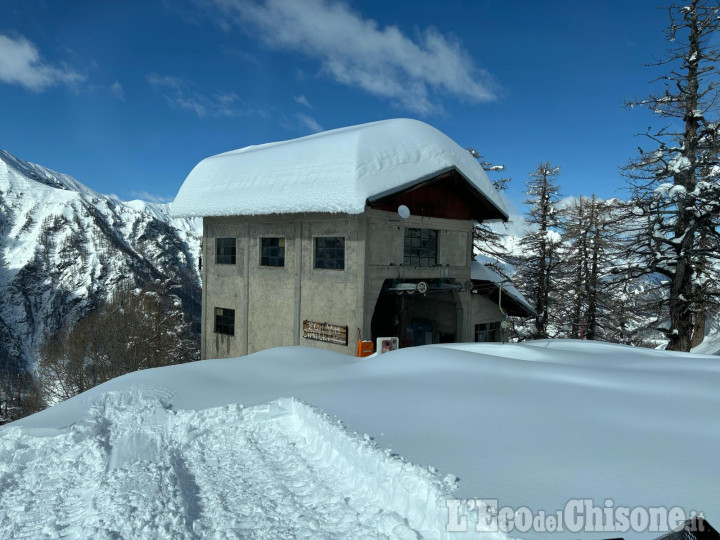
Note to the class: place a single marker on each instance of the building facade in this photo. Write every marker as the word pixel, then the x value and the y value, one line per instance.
pixel 397 265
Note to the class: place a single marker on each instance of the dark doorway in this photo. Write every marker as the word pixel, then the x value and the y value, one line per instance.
pixel 446 338
pixel 413 317
pixel 386 317
pixel 423 332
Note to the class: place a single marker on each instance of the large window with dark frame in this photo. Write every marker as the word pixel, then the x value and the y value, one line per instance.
pixel 225 250
pixel 485 332
pixel 420 247
pixel 225 321
pixel 272 252
pixel 330 252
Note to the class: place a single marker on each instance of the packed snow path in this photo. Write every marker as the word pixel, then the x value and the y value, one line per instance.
pixel 139 469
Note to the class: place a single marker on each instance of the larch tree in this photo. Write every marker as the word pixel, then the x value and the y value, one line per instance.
pixel 537 264
pixel 588 258
pixel 675 183
pixel 573 269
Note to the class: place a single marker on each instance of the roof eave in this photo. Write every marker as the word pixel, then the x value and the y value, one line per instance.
pixel 519 308
pixel 501 213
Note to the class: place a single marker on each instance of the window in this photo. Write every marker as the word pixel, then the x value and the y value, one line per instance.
pixel 330 252
pixel 272 252
pixel 420 247
pixel 225 321
pixel 485 332
pixel 225 250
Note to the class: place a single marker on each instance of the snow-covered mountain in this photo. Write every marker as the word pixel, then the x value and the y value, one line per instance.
pixel 65 247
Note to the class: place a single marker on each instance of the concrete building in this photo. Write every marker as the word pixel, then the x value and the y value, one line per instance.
pixel 361 232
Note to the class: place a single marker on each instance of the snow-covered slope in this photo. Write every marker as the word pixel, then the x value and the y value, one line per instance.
pixel 64 247
pixel 169 452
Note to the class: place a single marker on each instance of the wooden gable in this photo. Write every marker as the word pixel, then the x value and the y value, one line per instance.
pixel 448 195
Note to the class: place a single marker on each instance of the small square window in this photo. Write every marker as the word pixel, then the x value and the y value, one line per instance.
pixel 225 321
pixel 420 247
pixel 272 252
pixel 225 250
pixel 330 252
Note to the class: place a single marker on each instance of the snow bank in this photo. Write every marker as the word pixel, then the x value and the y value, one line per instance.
pixel 335 171
pixel 533 425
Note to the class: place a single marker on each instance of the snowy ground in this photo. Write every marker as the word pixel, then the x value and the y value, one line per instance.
pixel 138 469
pixel 711 343
pixel 172 453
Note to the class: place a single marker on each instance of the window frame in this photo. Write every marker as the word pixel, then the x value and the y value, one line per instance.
pixel 225 258
pixel 489 328
pixel 224 321
pixel 419 253
pixel 280 256
pixel 327 255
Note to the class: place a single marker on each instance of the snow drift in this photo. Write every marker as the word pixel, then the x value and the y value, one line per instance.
pixel 171 452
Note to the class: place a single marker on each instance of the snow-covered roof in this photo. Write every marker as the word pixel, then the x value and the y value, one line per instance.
pixel 481 272
pixel 335 171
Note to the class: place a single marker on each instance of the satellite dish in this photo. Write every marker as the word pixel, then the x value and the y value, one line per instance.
pixel 403 211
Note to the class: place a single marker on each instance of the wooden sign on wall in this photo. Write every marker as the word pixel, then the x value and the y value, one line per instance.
pixel 329 333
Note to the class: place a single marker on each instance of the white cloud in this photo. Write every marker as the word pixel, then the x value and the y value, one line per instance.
pixel 21 64
pixel 242 55
pixel 309 122
pixel 116 90
pixel 358 52
pixel 180 93
pixel 302 100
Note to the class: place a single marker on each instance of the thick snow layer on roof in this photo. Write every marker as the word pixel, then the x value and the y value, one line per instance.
pixel 335 171
pixel 481 272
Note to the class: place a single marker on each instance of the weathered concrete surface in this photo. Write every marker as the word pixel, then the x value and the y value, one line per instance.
pixel 271 303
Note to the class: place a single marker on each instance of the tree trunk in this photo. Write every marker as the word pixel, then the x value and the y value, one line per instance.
pixel 698 330
pixel 681 322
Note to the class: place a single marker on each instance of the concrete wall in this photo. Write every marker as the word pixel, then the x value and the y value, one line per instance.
pixel 485 310
pixel 271 303
pixel 223 287
pixel 272 295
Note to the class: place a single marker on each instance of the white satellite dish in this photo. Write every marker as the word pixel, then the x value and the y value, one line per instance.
pixel 403 211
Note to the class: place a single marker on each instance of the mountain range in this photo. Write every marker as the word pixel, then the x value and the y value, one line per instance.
pixel 64 249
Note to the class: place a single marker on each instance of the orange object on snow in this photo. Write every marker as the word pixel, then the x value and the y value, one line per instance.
pixel 365 348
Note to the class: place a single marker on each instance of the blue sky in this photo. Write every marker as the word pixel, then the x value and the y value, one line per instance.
pixel 127 96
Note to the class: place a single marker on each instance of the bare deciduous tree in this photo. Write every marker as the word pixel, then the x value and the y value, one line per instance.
pixel 137 329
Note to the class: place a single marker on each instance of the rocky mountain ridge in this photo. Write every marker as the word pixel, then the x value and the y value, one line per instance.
pixel 64 249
